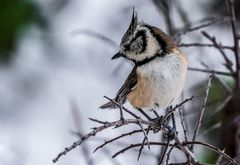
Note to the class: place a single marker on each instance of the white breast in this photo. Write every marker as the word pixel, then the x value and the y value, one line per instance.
pixel 166 76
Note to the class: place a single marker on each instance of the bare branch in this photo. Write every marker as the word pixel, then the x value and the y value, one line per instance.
pixel 123 108
pixel 204 25
pixel 199 122
pixel 145 140
pixel 116 138
pixel 211 71
pixel 187 152
pixel 164 152
pixel 218 46
pixel 183 124
pixel 137 145
pixel 213 148
pixel 176 107
pixel 168 154
pixel 236 40
pixel 101 128
pixel 204 45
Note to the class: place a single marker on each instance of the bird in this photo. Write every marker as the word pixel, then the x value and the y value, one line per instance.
pixel 159 71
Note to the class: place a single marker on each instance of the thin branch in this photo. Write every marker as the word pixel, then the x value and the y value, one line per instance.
pixel 164 152
pixel 204 25
pixel 236 40
pixel 145 135
pixel 123 108
pixel 209 146
pixel 223 104
pixel 99 129
pixel 188 163
pixel 173 121
pixel 116 138
pixel 199 122
pixel 213 148
pixel 223 84
pixel 187 152
pixel 216 77
pixel 211 71
pixel 219 159
pixel 176 107
pixel 137 145
pixel 168 154
pixel 182 119
pixel 119 143
pixel 204 45
pixel 145 140
pixel 218 46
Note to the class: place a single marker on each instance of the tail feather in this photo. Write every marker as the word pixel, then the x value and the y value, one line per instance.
pixel 109 104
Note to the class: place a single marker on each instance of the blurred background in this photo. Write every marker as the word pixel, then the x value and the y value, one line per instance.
pixel 56 68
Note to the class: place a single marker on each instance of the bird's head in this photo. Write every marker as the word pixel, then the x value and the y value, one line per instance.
pixel 142 41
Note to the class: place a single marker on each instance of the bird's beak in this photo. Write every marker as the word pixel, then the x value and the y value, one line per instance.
pixel 117 55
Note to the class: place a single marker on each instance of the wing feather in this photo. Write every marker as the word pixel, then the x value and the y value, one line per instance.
pixel 127 87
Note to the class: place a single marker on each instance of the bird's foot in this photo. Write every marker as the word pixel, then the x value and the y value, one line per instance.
pixel 158 121
pixel 170 134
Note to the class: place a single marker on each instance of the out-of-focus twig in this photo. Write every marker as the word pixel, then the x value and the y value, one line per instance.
pixel 95 34
pixel 76 119
pixel 204 25
pixel 213 148
pixel 218 46
pixel 165 6
pixel 203 45
pixel 236 40
pixel 199 122
pixel 211 71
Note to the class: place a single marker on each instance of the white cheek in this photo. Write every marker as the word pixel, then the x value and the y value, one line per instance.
pixel 151 49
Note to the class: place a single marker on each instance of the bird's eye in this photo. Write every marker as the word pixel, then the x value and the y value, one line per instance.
pixel 127 47
pixel 137 44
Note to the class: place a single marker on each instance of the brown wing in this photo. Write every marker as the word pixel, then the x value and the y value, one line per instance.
pixel 122 93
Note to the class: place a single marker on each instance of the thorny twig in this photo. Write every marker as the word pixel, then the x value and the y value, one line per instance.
pixel 213 148
pixel 104 126
pixel 151 124
pixel 199 122
pixel 176 107
pixel 218 46
pixel 182 119
pixel 143 144
pixel 116 138
pixel 119 123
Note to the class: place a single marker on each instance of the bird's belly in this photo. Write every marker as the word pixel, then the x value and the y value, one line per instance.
pixel 154 94
pixel 158 87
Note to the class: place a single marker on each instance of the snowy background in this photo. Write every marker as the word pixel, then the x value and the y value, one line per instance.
pixel 56 66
